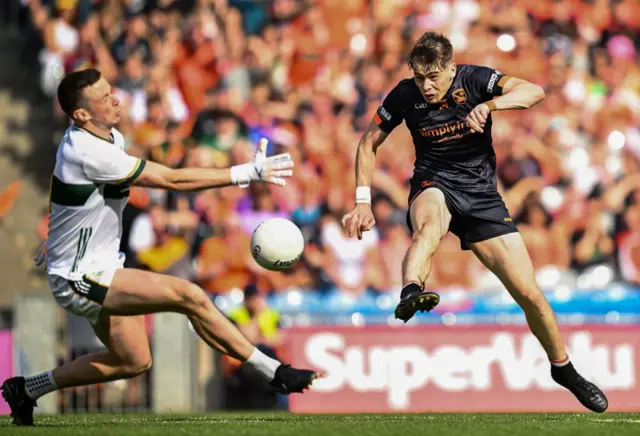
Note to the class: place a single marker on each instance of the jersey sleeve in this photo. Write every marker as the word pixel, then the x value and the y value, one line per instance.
pixel 112 165
pixel 389 115
pixel 486 83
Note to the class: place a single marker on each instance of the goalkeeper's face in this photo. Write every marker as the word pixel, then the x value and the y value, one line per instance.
pixel 102 107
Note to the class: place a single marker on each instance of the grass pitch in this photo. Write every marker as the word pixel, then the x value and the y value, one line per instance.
pixel 223 424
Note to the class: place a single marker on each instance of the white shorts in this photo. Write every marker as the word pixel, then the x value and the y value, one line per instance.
pixel 84 293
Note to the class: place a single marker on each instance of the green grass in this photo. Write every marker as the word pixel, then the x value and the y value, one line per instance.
pixel 237 424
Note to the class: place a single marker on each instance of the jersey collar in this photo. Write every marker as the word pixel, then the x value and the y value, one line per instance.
pixel 110 140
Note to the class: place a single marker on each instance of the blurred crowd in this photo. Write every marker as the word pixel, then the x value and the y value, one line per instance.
pixel 202 80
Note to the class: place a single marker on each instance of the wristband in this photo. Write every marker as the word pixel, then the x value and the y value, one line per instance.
pixel 491 105
pixel 363 194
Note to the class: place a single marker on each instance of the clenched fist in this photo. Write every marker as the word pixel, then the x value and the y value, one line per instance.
pixel 478 117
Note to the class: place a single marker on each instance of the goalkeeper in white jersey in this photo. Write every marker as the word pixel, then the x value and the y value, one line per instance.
pixel 89 190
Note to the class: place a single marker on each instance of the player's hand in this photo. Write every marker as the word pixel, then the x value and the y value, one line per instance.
pixel 359 220
pixel 478 118
pixel 274 169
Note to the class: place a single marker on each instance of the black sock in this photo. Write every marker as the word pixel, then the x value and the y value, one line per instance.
pixel 564 375
pixel 411 288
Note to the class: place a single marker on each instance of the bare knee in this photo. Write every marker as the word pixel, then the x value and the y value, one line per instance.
pixel 190 297
pixel 137 366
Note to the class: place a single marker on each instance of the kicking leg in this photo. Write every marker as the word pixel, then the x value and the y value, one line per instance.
pixel 136 292
pixel 507 257
pixel 430 220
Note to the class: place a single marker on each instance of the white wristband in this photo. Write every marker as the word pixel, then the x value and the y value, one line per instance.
pixel 363 194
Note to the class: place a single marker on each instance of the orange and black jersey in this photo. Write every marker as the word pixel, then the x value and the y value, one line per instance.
pixel 447 151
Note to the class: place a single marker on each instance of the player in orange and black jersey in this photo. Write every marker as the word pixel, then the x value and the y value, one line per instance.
pixel 451 155
pixel 447 108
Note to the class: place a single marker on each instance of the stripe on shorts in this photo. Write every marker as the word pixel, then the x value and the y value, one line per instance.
pixel 89 289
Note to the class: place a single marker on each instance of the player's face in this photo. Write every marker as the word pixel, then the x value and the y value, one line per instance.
pixel 434 82
pixel 102 106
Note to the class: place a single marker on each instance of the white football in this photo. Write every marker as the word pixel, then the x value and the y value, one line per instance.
pixel 277 244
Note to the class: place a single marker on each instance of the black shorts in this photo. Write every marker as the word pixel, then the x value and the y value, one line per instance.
pixel 475 217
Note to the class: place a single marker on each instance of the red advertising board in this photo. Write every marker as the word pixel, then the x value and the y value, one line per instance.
pixel 6 363
pixel 459 369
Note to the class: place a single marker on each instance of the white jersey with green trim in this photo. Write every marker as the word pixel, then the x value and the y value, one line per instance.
pixel 89 190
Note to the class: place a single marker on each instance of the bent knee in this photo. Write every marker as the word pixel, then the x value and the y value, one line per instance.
pixel 190 296
pixel 136 367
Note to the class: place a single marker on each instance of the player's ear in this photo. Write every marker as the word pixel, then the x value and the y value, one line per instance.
pixel 81 115
pixel 453 67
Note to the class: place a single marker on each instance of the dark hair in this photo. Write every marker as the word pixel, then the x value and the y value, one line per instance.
pixel 251 291
pixel 431 50
pixel 70 88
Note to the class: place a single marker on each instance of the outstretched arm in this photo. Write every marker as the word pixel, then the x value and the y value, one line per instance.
pixel 263 169
pixel 156 175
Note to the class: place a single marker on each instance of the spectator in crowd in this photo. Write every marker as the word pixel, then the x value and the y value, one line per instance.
pixel 160 240
pixel 260 324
